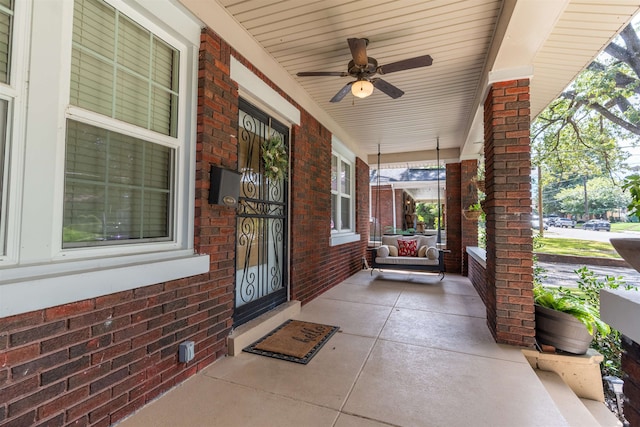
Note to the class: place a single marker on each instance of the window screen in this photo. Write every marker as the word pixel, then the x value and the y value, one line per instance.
pixel 117 188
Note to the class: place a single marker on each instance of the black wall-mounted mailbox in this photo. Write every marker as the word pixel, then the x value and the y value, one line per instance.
pixel 224 186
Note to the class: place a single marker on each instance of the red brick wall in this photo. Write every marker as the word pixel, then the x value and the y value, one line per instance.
pixel 96 361
pixel 310 210
pixel 386 212
pixel 478 278
pixel 315 265
pixel 469 196
pixel 453 219
pixel 508 203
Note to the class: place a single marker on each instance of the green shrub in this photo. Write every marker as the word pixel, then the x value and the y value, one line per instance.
pixel 573 302
pixel 605 339
pixel 538 272
pixel 632 184
pixel 608 345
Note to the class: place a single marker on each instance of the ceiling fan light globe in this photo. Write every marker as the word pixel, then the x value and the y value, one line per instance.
pixel 362 88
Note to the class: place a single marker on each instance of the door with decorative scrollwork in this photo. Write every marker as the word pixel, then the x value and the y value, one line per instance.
pixel 261 240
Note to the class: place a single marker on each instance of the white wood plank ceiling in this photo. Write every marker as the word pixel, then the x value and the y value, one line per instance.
pixel 469 40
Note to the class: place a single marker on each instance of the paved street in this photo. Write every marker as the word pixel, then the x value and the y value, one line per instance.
pixel 563 274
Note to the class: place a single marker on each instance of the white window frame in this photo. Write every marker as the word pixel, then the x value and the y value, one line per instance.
pixel 36 272
pixel 15 93
pixel 343 154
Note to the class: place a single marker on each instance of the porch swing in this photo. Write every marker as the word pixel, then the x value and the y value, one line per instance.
pixel 409 253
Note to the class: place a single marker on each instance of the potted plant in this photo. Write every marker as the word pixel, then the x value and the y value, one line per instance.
pixel 565 319
pixel 473 212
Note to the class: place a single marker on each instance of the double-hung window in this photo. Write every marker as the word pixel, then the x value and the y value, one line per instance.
pixel 343 224
pixel 102 173
pixel 119 184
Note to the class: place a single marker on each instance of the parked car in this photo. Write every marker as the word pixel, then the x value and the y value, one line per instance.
pixel 565 223
pixel 597 225
pixel 551 220
pixel 535 224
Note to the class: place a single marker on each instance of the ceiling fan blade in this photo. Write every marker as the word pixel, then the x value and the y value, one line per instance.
pixel 387 88
pixel 359 51
pixel 406 64
pixel 342 93
pixel 322 73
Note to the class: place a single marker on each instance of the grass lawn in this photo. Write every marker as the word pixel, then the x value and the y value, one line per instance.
pixel 561 246
pixel 625 226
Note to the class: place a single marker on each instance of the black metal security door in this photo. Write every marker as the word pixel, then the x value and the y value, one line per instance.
pixel 261 241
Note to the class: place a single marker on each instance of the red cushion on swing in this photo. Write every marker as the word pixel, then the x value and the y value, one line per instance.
pixel 407 247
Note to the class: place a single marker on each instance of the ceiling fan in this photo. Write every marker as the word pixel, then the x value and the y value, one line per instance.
pixel 363 68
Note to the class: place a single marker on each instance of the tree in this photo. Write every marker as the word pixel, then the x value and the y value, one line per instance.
pixel 427 213
pixel 602 197
pixel 579 133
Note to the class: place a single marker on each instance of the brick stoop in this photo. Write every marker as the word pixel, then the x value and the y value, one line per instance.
pixel 574 383
pixel 577 411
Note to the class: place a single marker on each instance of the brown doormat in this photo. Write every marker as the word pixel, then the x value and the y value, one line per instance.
pixel 294 340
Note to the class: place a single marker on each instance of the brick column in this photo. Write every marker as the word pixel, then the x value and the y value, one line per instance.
pixel 453 219
pixel 469 196
pixel 508 203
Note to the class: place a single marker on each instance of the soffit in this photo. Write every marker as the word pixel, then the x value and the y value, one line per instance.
pixel 469 40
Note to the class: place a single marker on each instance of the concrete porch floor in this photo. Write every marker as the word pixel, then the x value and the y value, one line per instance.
pixel 411 351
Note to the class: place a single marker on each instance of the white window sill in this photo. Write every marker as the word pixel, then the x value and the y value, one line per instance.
pixel 341 239
pixel 29 288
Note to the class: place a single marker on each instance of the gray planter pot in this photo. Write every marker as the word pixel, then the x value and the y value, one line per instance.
pixel 561 330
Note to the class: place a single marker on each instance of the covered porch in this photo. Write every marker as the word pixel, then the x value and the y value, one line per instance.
pixel 90 331
pixel 411 351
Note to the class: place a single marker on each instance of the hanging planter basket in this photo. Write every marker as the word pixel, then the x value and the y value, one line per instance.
pixel 472 215
pixel 275 159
